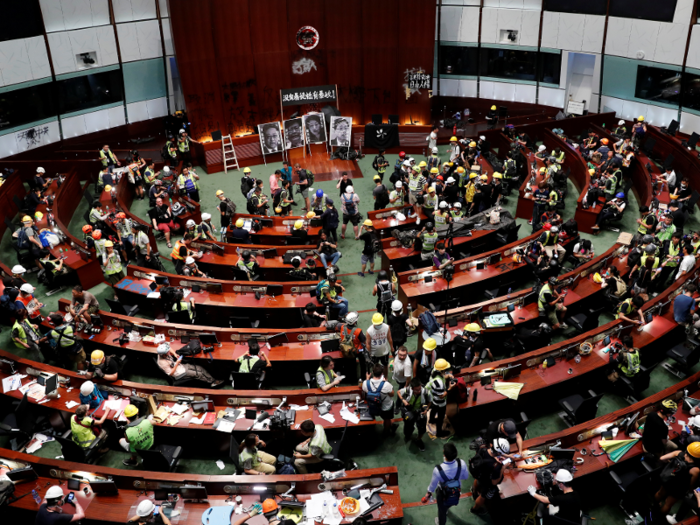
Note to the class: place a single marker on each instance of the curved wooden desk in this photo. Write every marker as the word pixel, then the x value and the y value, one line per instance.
pixel 276 230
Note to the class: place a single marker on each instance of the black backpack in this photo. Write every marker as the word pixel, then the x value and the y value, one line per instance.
pixel 383 197
pixel 7 490
pixel 251 206
pixel 171 295
pixel 247 184
pixel 570 227
pixel 192 348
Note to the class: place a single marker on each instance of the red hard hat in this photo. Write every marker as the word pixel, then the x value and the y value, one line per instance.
pixel 402 154
pixel 121 215
pixel 440 177
pixel 547 226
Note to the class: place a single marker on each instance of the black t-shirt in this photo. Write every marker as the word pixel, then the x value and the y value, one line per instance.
pixel 569 506
pixel 368 238
pixel 344 185
pixel 108 367
pixel 492 430
pixel 311 321
pixel 303 180
pixel 44 517
pixel 490 470
pixel 397 325
pixel 300 234
pixel 158 213
pixel 325 249
pixel 678 219
pixel 240 234
pixel 655 431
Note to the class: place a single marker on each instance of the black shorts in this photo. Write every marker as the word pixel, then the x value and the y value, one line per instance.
pixel 355 219
pixel 387 415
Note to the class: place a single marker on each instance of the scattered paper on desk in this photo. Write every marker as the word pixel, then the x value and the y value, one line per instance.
pixel 225 426
pixel 186 292
pixel 153 295
pixel 71 404
pixel 220 464
pixel 197 420
pixel 328 417
pixel 11 383
pixel 314 508
pixel 36 445
pixel 349 416
pixel 180 409
pixel 298 407
pixel 510 390
pixel 261 425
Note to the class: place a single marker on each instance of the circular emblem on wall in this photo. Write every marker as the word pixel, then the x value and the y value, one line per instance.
pixel 307 38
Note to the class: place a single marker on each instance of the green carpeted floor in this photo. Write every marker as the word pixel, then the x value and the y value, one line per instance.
pixel 368 449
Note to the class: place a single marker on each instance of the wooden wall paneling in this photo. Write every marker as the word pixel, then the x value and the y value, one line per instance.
pixel 344 52
pixel 308 68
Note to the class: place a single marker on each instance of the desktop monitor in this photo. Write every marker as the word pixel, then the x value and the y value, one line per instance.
pixel 96 320
pixel 649 317
pixel 153 286
pixel 51 385
pixel 393 119
pixel 274 289
pixel 193 492
pixel 278 339
pixel 196 288
pixel 162 280
pixel 104 487
pixel 128 328
pixel 512 371
pixel 481 265
pixel 215 288
pixel 495 258
pixel 22 474
pixel 203 406
pixel 562 453
pixel 208 338
pixel 270 253
pixel 161 494
pixel 218 249
pixel 266 223
pixel 672 127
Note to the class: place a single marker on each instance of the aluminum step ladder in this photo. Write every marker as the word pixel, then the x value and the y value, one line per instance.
pixel 229 154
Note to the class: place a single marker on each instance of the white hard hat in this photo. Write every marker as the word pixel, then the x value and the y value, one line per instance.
pixel 435 150
pixel 40 170
pixel 443 204
pixel 349 189
pixel 399 184
pixel 166 169
pixel 189 260
pixel 297 258
pixel 563 476
pixel 542 147
pixel 55 492
pixel 555 229
pixel 181 131
pixel 18 268
pixel 163 348
pixel 145 508
pixel 206 216
pixel 450 180
pixel 87 388
pixel 406 162
pixel 190 223
pixel 621 123
pixel 411 160
pixel 27 288
pixel 501 445
pixel 482 137
pixel 352 318
pixel 694 421
pixel 457 204
pixel 396 305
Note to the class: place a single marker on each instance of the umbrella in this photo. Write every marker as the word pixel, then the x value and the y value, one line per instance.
pixel 617 448
pixel 510 390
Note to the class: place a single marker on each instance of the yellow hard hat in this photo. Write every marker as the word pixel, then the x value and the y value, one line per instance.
pixel 429 344
pixel 422 164
pixel 26 218
pixel 453 139
pixel 442 364
pixel 96 357
pixel 473 175
pixel 670 404
pixel 38 216
pixel 109 244
pixel 246 170
pixel 493 108
pixel 446 164
pixel 377 318
pixel 240 223
pixel 694 449
pixel 431 190
pixel 473 327
pixel 484 177
pixel 368 222
pixel 497 175
pixel 219 192
pixel 299 225
pixel 641 118
pixel 673 196
pixel 434 170
pixel 460 170
pixel 278 209
pixel 108 188
pixel 376 177
pixel 130 411
pixel 591 172
pixel 450 164
pixel 472 144
pixel 310 215
pixel 597 278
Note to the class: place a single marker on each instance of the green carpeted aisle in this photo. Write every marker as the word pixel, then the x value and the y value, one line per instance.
pixel 368 450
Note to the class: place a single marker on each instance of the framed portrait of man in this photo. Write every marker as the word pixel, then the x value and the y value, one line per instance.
pixel 271 138
pixel 293 133
pixel 341 128
pixel 315 126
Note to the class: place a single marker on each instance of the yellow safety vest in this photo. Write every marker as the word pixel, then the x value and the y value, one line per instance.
pixel 82 433
pixel 113 263
pixel 247 363
pixel 633 363
pixel 105 158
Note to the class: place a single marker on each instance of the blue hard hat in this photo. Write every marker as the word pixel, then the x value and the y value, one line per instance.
pixel 319 193
pixel 620 195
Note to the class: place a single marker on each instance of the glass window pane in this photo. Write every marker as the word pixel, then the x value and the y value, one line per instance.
pixel 20 19
pixel 458 60
pixel 90 91
pixel 508 63
pixel 26 105
pixel 550 68
pixel 691 91
pixel 658 85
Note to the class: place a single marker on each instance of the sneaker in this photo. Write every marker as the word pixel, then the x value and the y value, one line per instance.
pixel 478 512
pixel 418 224
pixel 371 272
pixel 421 445
pixel 130 463
pixel 563 326
pixel 360 274
pixel 437 521
pixel 217 383
pixel 671 518
pixel 529 223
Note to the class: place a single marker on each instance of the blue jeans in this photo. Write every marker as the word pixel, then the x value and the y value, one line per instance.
pixel 341 306
pixel 333 258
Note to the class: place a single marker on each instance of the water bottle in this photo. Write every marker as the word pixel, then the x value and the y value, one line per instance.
pixel 509 290
pixel 325 511
pixel 336 512
pixel 36 497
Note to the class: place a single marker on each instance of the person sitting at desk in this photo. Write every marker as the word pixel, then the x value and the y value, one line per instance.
pixel 612 211
pixel 33 199
pixel 102 367
pixel 53 266
pixel 162 219
pixel 300 233
pixel 51 512
pixel 138 434
pixel 476 350
pixel 171 363
pixel 678 477
pixel 147 513
pixel 254 360
pixel 191 270
pixel 630 306
pixel 627 361
pixel 249 265
pixel 254 461
pixel 66 343
pixel 327 250
pixel 442 259
pixel 90 395
pixel 310 451
pixel 549 304
pixel 297 273
pixel 157 191
pixel 311 318
pixel 238 234
pixel 87 302
pixel 326 378
pixel 330 297
pixel 83 428
pixel 182 251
